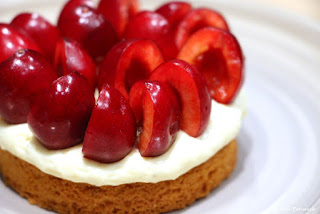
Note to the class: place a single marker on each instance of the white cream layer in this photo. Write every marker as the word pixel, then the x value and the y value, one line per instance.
pixel 186 153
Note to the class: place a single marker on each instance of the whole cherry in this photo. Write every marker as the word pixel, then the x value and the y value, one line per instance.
pixel 153 26
pixel 59 117
pixel 40 30
pixel 23 77
pixel 12 40
pixel 174 12
pixel 86 26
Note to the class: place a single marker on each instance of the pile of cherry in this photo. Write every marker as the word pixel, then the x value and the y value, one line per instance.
pixel 156 72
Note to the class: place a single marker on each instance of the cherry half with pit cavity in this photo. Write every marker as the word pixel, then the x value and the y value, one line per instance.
pixel 192 92
pixel 157 112
pixel 218 56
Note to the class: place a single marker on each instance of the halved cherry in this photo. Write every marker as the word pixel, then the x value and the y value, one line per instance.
pixel 23 77
pixel 193 94
pixel 195 20
pixel 111 131
pixel 70 56
pixel 59 117
pixel 217 55
pixel 118 12
pixel 12 40
pixel 174 12
pixel 85 25
pixel 127 62
pixel 157 112
pixel 40 30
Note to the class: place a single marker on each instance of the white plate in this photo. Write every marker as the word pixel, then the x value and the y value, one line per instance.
pixel 279 149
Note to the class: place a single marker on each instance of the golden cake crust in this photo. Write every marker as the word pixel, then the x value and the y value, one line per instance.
pixel 64 196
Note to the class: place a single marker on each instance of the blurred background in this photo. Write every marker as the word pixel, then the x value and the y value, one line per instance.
pixel 306 8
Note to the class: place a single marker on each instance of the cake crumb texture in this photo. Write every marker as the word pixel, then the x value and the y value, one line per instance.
pixel 64 196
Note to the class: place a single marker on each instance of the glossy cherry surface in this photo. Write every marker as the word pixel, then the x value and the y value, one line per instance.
pixel 118 12
pixel 85 25
pixel 12 40
pixel 127 62
pixel 59 117
pixel 192 91
pixel 218 56
pixel 70 56
pixel 23 77
pixel 195 20
pixel 157 112
pixel 40 30
pixel 153 26
pixel 111 131
pixel 174 12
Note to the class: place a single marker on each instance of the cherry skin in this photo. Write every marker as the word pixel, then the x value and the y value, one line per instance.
pixel 153 26
pixel 70 56
pixel 157 112
pixel 12 40
pixel 127 62
pixel 111 131
pixel 40 30
pixel 192 91
pixel 23 77
pixel 70 5
pixel 59 117
pixel 218 56
pixel 118 12
pixel 86 26
pixel 174 12
pixel 195 20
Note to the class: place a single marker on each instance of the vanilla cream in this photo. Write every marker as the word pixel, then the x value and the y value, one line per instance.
pixel 186 152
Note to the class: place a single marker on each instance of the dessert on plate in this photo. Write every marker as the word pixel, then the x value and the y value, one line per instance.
pixel 119 110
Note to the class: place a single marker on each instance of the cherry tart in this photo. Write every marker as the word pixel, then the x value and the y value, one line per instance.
pixel 156 73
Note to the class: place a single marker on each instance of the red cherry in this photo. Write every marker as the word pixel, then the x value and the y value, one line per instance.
pixel 59 117
pixel 195 20
pixel 217 55
pixel 153 26
pixel 155 106
pixel 111 132
pixel 40 30
pixel 70 7
pixel 23 76
pixel 90 29
pixel 127 62
pixel 118 12
pixel 70 56
pixel 193 94
pixel 12 40
pixel 174 12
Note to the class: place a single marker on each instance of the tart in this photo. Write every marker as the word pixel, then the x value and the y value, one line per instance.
pixel 119 111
